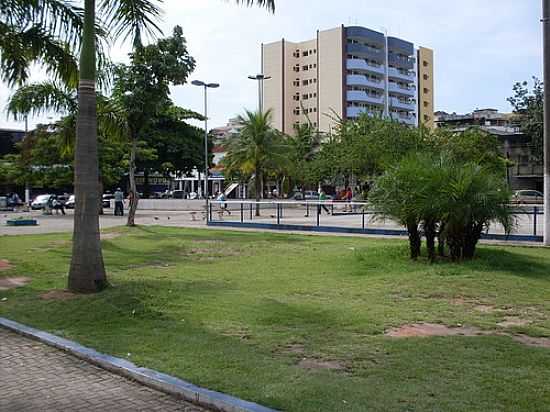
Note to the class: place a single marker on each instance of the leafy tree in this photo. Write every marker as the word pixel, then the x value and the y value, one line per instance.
pixel 142 88
pixel 256 150
pixel 530 107
pixel 178 147
pixel 365 148
pixel 472 145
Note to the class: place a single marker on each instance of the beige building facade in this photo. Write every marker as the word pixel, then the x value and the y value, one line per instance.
pixel 343 73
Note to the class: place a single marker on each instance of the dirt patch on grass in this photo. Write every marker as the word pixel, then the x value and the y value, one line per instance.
pixel 5 265
pixel 531 341
pixel 110 236
pixel 432 329
pixel 511 321
pixel 295 348
pixel 485 308
pixel 58 294
pixel 313 364
pixel 12 283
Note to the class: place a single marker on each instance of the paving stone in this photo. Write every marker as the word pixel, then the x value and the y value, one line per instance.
pixel 36 377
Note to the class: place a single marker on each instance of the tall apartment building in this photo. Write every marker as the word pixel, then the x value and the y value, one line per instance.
pixel 344 72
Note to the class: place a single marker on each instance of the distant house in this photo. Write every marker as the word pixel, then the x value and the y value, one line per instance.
pixel 8 139
pixel 526 171
pixel 220 136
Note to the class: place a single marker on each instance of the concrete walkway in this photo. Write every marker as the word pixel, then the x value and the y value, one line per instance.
pixel 36 377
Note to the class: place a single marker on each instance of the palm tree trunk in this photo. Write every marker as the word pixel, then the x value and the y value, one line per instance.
pixel 87 271
pixel 430 232
pixel 134 200
pixel 415 241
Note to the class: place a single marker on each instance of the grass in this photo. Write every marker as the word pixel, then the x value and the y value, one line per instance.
pixel 239 312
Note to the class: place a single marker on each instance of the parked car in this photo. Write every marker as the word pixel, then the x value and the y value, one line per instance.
pixel 106 199
pixel 528 197
pixel 40 201
pixel 69 204
pixel 178 194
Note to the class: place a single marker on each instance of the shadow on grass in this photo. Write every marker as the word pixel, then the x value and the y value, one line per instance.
pixel 512 262
pixel 298 317
pixel 163 232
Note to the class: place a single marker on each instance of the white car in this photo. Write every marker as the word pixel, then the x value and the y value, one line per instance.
pixel 40 202
pixel 69 204
pixel 528 197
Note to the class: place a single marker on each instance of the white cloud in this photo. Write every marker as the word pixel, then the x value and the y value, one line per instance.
pixel 481 47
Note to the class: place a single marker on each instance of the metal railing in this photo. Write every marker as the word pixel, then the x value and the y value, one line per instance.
pixel 343 217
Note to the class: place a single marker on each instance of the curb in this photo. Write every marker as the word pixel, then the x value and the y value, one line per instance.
pixel 148 377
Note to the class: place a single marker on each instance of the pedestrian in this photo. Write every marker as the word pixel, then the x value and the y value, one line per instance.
pixel 223 206
pixel 349 198
pixel 57 205
pixel 119 202
pixel 322 198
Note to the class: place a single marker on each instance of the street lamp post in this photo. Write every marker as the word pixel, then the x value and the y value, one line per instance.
pixel 206 86
pixel 546 59
pixel 260 79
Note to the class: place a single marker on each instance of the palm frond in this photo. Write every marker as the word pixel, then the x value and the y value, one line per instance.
pixel 39 98
pixel 132 18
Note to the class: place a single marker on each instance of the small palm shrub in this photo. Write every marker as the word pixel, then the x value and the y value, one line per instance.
pixel 443 198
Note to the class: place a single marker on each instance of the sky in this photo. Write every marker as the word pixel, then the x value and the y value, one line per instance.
pixel 482 47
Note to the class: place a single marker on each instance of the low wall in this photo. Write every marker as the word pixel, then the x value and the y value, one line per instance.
pixel 169 204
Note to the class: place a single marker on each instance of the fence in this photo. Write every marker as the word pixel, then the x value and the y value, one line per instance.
pixel 344 217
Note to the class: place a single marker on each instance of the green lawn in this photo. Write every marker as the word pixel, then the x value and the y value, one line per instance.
pixel 239 312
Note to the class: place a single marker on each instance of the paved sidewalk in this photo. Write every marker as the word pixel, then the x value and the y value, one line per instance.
pixel 36 377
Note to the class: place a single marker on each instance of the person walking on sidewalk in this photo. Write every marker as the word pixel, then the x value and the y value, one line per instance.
pixel 119 203
pixel 322 198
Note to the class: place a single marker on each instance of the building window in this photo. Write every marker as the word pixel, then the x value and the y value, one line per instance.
pixel 314 65
pixel 314 50
pixel 314 80
pixel 426 91
pixel 305 53
pixel 297 112
pixel 425 77
pixel 315 109
pixel 426 118
pixel 296 68
pixel 426 104
pixel 304 68
pixel 305 97
pixel 296 83
pixel 425 63
pixel 296 97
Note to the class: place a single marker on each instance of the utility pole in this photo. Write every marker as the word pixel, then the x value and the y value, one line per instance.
pixel 260 79
pixel 206 86
pixel 546 62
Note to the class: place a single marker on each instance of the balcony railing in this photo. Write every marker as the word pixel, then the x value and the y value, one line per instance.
pixel 400 75
pixel 401 90
pixel 362 80
pixel 364 97
pixel 366 51
pixel 353 112
pixel 402 104
pixel 361 64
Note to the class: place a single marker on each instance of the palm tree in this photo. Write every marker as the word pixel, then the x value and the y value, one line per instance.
pixel 125 18
pixel 256 149
pixel 39 31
